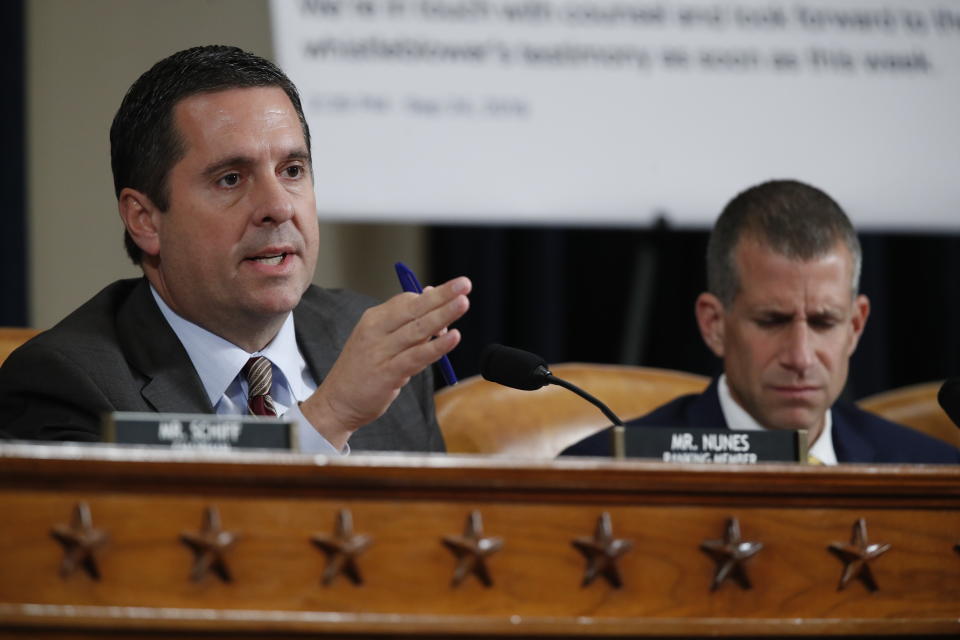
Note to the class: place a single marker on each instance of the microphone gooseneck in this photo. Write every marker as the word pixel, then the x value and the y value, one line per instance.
pixel 560 382
pixel 527 371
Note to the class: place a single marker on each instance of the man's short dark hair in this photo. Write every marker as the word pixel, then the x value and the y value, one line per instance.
pixel 144 143
pixel 793 219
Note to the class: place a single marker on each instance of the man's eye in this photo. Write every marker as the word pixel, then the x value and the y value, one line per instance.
pixel 230 180
pixel 294 171
pixel 770 322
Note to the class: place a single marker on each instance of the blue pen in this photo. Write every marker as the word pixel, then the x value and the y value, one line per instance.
pixel 410 283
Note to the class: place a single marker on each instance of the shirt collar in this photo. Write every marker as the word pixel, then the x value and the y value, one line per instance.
pixel 736 416
pixel 739 420
pixel 218 361
pixel 822 449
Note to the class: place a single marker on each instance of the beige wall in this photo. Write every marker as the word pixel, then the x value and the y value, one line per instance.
pixel 81 57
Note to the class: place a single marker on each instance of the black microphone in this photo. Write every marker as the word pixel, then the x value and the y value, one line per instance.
pixel 514 368
pixel 523 370
pixel 949 399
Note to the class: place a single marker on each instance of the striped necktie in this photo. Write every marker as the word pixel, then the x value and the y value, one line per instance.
pixel 259 374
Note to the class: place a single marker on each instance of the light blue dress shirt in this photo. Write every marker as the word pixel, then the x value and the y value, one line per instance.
pixel 218 363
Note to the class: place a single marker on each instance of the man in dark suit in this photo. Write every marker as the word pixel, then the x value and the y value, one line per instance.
pixel 784 313
pixel 212 170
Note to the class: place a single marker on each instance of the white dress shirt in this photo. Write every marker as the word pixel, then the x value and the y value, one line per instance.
pixel 739 420
pixel 218 363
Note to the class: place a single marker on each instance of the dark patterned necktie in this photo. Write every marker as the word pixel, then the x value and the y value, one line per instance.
pixel 259 374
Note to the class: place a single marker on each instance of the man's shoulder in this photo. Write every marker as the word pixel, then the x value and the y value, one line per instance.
pixel 96 319
pixel 861 436
pixel 334 302
pixel 675 413
pixel 329 314
pixel 102 337
pixel 57 385
pixel 855 416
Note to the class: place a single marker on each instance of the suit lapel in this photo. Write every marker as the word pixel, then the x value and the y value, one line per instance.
pixel 313 330
pixel 153 349
pixel 849 443
pixel 705 411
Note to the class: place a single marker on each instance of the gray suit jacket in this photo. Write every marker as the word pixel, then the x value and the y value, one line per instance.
pixel 117 353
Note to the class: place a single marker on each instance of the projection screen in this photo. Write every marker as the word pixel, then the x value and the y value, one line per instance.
pixel 619 113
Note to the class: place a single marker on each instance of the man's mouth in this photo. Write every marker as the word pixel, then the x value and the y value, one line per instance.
pixel 270 260
pixel 792 390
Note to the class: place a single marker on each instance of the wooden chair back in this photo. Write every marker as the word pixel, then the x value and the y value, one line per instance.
pixel 915 406
pixel 477 416
pixel 13 337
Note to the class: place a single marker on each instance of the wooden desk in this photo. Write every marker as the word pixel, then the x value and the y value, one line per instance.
pixel 275 504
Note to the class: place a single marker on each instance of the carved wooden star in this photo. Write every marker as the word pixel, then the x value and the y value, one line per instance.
pixel 857 555
pixel 342 549
pixel 80 542
pixel 602 552
pixel 209 546
pixel 730 555
pixel 471 550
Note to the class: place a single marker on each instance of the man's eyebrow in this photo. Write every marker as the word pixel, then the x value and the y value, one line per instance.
pixel 772 311
pixel 774 316
pixel 299 154
pixel 227 163
pixel 245 161
pixel 821 314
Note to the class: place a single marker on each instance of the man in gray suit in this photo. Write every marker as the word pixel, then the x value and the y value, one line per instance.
pixel 212 170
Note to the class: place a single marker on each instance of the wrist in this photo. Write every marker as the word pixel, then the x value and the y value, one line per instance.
pixel 328 422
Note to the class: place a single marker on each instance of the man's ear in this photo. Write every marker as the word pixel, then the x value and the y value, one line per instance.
pixel 141 218
pixel 858 320
pixel 709 311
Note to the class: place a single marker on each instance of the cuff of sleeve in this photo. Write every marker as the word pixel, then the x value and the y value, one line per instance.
pixel 309 438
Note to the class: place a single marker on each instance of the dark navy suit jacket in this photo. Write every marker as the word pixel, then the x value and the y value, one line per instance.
pixel 858 436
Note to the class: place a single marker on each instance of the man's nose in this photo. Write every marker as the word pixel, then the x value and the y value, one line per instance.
pixel 797 352
pixel 273 203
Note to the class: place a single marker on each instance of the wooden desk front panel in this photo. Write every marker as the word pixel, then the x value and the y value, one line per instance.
pixel 408 506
